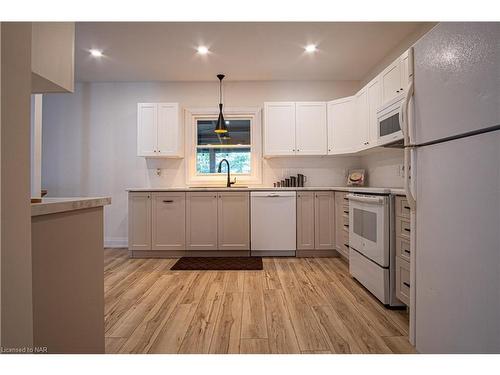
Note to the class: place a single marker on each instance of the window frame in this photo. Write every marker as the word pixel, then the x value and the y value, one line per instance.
pixel 192 115
pixel 222 146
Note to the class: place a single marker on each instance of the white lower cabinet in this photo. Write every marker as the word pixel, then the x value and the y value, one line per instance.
pixel 201 221
pixel 139 221
pixel 324 220
pixel 305 220
pixel 179 221
pixel 233 221
pixel 316 220
pixel 168 221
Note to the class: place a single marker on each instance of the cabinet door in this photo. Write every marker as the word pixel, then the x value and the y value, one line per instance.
pixel 139 221
pixel 341 125
pixel 169 140
pixel 168 221
pixel 305 220
pixel 405 78
pixel 362 120
pixel 147 120
pixel 233 221
pixel 341 211
pixel 311 128
pixel 374 101
pixel 391 81
pixel 324 220
pixel 201 221
pixel 279 128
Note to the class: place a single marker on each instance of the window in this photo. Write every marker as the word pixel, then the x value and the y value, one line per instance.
pixel 241 146
pixel 235 146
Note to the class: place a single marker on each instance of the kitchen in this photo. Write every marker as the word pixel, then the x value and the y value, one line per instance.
pixel 245 208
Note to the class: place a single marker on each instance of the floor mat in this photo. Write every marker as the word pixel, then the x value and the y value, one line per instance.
pixel 218 264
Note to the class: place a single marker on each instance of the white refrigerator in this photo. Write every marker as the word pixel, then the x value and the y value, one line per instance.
pixel 451 123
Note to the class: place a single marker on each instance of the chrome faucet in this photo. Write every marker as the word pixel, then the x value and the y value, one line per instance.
pixel 229 182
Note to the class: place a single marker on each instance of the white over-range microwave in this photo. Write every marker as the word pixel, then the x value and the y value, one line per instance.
pixel 389 121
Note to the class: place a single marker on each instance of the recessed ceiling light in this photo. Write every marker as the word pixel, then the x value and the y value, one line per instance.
pixel 310 48
pixel 202 50
pixel 95 52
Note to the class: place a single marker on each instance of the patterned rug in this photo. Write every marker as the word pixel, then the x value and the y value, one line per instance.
pixel 218 264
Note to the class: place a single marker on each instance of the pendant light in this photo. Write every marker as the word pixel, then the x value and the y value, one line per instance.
pixel 221 124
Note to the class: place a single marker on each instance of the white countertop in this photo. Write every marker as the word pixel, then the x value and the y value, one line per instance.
pixel 368 190
pixel 56 205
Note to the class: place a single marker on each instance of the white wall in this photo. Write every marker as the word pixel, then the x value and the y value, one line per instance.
pixel 383 167
pixel 89 139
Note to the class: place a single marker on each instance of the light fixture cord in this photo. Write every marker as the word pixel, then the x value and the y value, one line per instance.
pixel 220 91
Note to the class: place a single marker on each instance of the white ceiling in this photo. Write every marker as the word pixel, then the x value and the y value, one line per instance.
pixel 166 51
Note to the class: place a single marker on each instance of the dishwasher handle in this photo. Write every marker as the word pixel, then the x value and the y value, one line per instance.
pixel 366 199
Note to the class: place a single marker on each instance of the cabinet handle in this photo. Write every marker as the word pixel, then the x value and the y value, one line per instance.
pixel 406 207
pixel 397 91
pixel 406 229
pixel 168 201
pixel 346 245
pixel 407 284
pixel 329 149
pixel 346 212
pixel 345 225
pixel 406 251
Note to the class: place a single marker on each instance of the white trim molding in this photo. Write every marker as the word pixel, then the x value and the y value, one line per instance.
pixel 193 114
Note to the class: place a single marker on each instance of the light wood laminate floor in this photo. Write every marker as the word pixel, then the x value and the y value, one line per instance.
pixel 295 305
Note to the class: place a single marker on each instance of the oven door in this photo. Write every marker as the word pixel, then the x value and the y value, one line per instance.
pixel 369 227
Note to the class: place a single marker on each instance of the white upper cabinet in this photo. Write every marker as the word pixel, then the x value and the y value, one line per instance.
pixel 343 137
pixel 279 128
pixel 391 81
pixel 394 79
pixel 158 130
pixel 374 93
pixel 295 128
pixel 405 71
pixel 146 129
pixel 361 121
pixel 169 136
pixel 310 130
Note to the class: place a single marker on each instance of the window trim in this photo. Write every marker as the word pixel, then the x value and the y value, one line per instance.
pixel 191 117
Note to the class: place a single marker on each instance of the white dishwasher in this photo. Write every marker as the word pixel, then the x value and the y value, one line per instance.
pixel 273 223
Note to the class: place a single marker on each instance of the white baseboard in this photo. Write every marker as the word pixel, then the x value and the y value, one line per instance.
pixel 115 242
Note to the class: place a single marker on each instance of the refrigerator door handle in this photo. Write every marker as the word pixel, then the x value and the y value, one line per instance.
pixel 407 178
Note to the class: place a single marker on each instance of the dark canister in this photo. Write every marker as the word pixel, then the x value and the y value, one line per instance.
pixel 300 180
pixel 293 181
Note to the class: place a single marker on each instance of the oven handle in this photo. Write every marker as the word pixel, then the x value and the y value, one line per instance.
pixel 364 199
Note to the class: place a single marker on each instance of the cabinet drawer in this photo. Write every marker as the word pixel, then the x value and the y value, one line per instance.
pixel 345 222
pixel 345 237
pixel 402 207
pixel 403 228
pixel 403 280
pixel 403 248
